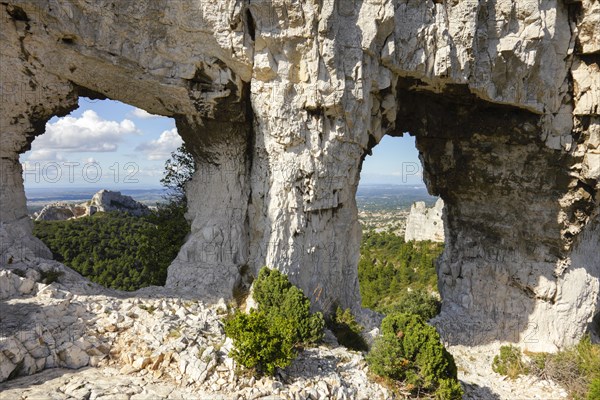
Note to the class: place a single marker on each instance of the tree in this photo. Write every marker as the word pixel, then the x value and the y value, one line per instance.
pixel 178 171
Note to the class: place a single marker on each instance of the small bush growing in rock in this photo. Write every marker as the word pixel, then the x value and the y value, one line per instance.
pixel 509 362
pixel 346 330
pixel 410 351
pixel 18 272
pixel 418 302
pixel 50 276
pixel 448 389
pixel 261 342
pixel 265 338
pixel 276 295
pixel 594 390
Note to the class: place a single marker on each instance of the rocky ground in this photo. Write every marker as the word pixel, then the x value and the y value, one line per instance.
pixel 72 339
pixel 480 382
pixel 155 343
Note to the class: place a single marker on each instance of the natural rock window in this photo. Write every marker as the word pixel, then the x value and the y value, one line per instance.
pixel 279 109
pixel 108 157
pixel 392 195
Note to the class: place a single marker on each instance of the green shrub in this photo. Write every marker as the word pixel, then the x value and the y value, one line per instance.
pixel 594 389
pixel 509 362
pixel 260 341
pixel 448 389
pixel 409 350
pixel 275 294
pixel 50 276
pixel 346 330
pixel 270 288
pixel 418 302
pixel 264 339
pixel 537 361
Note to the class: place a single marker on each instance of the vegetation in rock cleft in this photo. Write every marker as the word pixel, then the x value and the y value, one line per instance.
pixel 510 363
pixel 267 337
pixel 577 369
pixel 346 330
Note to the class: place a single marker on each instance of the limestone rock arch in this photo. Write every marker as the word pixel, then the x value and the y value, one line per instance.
pixel 281 100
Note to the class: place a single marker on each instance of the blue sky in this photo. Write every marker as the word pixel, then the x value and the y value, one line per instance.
pixel 395 160
pixel 108 144
pixel 102 144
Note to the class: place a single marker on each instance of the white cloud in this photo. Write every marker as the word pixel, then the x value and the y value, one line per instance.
pixel 44 155
pixel 152 171
pixel 87 133
pixel 161 148
pixel 30 166
pixel 143 114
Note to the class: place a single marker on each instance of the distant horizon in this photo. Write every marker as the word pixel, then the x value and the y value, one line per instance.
pixel 151 187
pixel 92 188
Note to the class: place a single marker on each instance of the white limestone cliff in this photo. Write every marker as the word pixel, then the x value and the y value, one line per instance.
pixel 107 200
pixel 280 101
pixel 102 201
pixel 425 223
pixel 59 211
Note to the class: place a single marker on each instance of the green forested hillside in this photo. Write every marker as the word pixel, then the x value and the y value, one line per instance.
pixel 388 267
pixel 118 250
pixel 124 252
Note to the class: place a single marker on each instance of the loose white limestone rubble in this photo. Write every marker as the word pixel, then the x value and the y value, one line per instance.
pixel 425 223
pixel 280 101
pixel 159 344
pixel 481 382
pixel 157 337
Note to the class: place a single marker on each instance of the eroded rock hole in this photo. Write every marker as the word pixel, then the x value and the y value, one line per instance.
pixel 17 13
pixel 104 187
pixel 403 231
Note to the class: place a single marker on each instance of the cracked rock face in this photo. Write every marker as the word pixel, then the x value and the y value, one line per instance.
pixel 280 101
pixel 425 223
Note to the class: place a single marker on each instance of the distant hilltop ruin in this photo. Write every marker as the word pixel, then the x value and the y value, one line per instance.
pixel 425 223
pixel 102 201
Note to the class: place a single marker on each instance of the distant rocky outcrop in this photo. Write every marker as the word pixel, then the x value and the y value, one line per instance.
pixel 106 200
pixel 103 201
pixel 425 223
pixel 60 211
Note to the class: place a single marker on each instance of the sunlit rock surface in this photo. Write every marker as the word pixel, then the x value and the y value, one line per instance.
pixel 103 201
pixel 280 101
pixel 425 223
